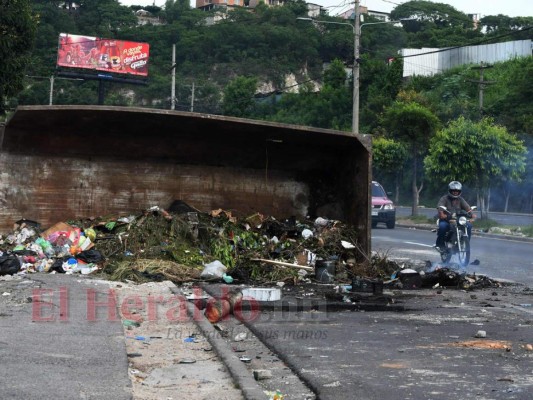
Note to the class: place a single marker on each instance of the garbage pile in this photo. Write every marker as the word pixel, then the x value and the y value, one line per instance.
pixel 437 275
pixel 178 243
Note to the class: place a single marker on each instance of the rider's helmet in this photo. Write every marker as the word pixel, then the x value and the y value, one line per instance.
pixel 454 188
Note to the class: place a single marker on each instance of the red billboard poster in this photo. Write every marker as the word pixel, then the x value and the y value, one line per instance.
pixel 110 55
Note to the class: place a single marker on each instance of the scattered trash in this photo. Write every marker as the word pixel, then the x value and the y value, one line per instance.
pixel 484 344
pixel 240 337
pixel 187 361
pixel 262 374
pixel 347 245
pixel 141 338
pixel 274 395
pixel 234 297
pixel 262 294
pixel 245 359
pixel 307 233
pixel 481 334
pixel 9 265
pixel 130 323
pixel 213 271
pixel 325 271
pixel 410 279
pixel 217 309
pixel 367 285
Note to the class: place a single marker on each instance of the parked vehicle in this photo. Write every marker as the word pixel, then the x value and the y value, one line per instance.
pixel 383 209
pixel 457 240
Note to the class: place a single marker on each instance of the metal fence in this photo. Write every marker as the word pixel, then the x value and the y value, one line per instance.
pixel 430 61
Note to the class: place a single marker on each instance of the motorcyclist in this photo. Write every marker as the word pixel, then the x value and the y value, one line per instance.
pixel 453 203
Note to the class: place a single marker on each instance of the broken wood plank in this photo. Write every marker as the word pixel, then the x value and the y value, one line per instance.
pixel 284 264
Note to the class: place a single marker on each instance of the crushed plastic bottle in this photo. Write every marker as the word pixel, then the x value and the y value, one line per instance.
pixel 274 395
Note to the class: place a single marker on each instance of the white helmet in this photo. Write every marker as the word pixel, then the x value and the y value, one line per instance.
pixel 455 185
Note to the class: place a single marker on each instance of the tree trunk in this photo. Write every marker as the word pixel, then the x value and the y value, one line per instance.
pixel 488 201
pixel 397 193
pixel 414 191
pixel 481 205
pixel 507 194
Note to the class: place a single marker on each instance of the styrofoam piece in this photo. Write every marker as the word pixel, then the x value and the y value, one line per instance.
pixel 262 294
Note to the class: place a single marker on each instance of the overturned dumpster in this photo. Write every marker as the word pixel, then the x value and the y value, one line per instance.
pixel 63 162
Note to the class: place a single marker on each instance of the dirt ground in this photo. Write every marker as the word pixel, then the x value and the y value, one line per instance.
pixel 168 359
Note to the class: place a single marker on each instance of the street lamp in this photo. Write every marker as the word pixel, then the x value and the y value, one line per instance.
pixel 356 29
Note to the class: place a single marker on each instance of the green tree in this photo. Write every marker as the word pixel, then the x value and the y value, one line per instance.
pixel 388 158
pixel 435 24
pixel 17 32
pixel 329 108
pixel 238 98
pixel 104 18
pixel 335 76
pixel 479 154
pixel 413 123
pixel 498 25
pixel 508 100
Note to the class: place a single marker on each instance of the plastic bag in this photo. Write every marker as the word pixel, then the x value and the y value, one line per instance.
pixel 9 265
pixel 213 270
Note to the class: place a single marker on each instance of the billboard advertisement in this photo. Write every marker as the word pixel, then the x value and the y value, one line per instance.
pixel 110 55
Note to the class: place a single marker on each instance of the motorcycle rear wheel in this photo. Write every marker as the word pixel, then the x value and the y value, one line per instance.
pixel 464 254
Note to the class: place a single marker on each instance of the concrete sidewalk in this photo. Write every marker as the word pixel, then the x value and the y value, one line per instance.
pixel 76 336
pixel 50 348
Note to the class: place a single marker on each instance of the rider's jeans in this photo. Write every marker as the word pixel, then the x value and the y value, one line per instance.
pixel 444 226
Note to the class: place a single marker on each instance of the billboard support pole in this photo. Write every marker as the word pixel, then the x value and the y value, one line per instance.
pixel 101 92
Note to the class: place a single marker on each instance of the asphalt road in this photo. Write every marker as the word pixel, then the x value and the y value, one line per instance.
pixel 498 258
pixel 429 350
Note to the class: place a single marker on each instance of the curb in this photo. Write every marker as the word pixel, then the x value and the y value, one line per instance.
pixel 248 385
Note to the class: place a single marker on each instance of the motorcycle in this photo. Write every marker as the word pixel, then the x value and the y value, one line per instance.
pixel 457 241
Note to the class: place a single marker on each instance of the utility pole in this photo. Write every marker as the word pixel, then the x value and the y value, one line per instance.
pixel 51 90
pixel 173 88
pixel 482 84
pixel 52 79
pixel 357 36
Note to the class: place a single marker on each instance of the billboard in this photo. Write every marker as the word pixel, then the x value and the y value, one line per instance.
pixel 110 55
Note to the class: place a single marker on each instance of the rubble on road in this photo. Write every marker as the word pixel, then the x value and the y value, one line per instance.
pixel 180 244
pixel 158 244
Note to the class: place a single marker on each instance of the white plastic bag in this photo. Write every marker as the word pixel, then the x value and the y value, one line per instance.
pixel 213 270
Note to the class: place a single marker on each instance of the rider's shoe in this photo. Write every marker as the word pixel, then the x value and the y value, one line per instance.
pixel 440 249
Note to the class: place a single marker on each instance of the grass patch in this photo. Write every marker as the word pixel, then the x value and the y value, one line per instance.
pixel 418 219
pixel 528 230
pixel 485 224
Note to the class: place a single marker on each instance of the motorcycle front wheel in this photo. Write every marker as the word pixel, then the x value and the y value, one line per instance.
pixel 464 252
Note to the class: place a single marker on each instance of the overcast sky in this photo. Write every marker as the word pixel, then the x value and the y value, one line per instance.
pixel 512 8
